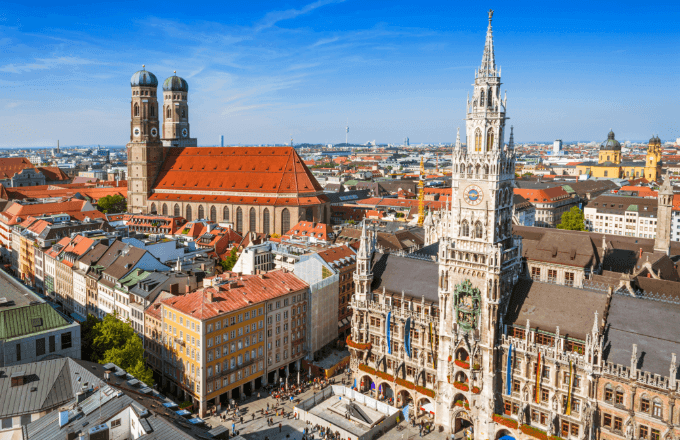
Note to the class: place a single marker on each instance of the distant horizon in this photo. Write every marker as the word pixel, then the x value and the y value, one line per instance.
pixel 305 69
pixel 412 144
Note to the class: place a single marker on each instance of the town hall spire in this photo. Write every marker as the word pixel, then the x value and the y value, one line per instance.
pixel 488 59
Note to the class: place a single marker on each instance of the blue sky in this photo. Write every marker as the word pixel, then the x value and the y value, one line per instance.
pixel 260 72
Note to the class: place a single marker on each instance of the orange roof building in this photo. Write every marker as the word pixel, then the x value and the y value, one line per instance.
pixel 313 231
pixel 19 171
pixel 257 189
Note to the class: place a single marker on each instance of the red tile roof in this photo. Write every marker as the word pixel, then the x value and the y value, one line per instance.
pixel 337 253
pixel 279 201
pixel 52 173
pixel 320 231
pixel 402 203
pixel 237 293
pixel 270 170
pixel 542 195
pixel 9 166
pixel 17 210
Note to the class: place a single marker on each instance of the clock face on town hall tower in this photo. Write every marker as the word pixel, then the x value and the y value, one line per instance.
pixel 473 195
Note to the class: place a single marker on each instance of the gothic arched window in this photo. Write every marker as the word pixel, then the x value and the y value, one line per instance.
pixel 252 217
pixel 188 213
pixel 136 110
pixel 478 230
pixel 489 140
pixel 239 219
pixel 152 111
pixel 265 221
pixel 201 212
pixel 153 208
pixel 464 228
pixel 177 212
pixel 225 214
pixel 184 114
pixel 490 103
pixel 285 221
pixel 213 214
pixel 168 112
pixel 481 99
pixel 478 140
pixel 164 209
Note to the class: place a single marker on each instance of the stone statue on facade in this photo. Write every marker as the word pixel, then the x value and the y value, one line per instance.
pixel 629 431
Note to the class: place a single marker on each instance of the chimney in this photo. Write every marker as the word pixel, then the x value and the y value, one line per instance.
pixel 188 289
pixel 174 289
pixel 17 379
pixel 209 296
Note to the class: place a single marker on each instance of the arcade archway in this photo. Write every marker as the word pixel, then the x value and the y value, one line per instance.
pixel 460 420
pixel 365 384
pixel 404 398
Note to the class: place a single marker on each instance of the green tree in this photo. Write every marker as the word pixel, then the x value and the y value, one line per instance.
pixel 112 204
pixel 118 343
pixel 89 351
pixel 572 220
pixel 229 262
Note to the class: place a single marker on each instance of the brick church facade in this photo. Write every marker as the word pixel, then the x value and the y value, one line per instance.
pixel 256 189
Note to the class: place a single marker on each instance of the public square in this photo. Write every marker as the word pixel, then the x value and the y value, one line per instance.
pixel 257 428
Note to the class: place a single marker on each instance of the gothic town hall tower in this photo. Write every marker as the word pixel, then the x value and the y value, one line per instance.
pixel 479 259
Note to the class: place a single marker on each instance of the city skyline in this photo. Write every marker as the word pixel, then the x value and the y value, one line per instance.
pixel 304 69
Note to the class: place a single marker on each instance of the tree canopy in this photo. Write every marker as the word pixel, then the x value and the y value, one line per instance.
pixel 113 340
pixel 573 220
pixel 229 262
pixel 112 204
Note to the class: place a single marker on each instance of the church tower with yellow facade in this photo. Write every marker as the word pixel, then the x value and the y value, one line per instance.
pixel 610 164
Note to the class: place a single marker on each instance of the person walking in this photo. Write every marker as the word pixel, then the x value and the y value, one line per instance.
pixel 241 420
pixel 279 427
pixel 253 418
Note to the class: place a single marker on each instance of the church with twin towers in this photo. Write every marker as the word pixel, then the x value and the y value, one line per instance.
pixel 265 190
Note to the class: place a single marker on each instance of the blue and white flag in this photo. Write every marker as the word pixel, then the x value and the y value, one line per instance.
pixel 508 374
pixel 389 335
pixel 407 337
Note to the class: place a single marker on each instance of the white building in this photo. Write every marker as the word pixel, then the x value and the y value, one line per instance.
pixel 618 215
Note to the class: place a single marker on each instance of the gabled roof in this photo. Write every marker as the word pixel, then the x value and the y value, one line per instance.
pixel 548 306
pixel 19 211
pixel 47 385
pixel 9 166
pixel 415 277
pixel 319 231
pixel 240 292
pixel 270 170
pixel 542 195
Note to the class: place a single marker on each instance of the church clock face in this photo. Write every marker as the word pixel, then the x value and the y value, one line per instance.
pixel 154 132
pixel 136 131
pixel 473 195
pixel 185 132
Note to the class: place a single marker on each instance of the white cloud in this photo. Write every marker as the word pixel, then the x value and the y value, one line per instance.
pixel 46 63
pixel 323 41
pixel 273 17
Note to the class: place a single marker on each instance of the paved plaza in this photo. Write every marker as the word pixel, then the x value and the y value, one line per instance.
pixel 257 428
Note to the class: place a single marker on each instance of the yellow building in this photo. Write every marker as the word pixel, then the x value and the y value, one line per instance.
pixel 214 339
pixel 610 165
